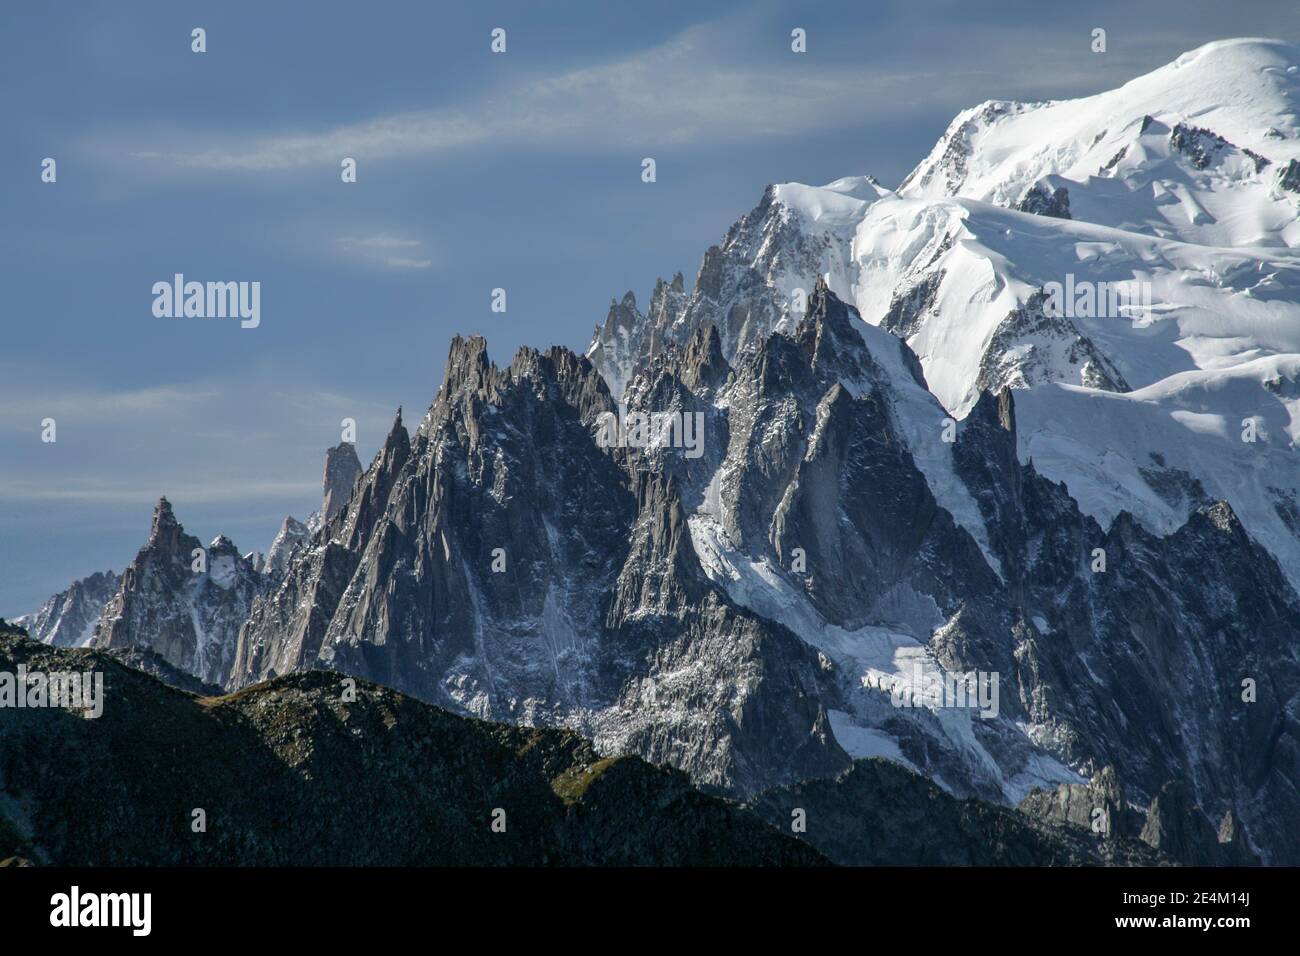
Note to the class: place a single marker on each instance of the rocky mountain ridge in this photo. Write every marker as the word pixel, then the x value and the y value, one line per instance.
pixel 68 618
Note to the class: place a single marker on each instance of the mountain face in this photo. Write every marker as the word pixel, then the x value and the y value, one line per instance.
pixel 181 601
pixel 68 618
pixel 502 564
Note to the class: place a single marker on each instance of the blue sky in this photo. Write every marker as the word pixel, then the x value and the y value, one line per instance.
pixel 475 171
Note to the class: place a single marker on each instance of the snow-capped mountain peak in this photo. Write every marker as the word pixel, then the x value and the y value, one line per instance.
pixel 1136 239
pixel 1246 89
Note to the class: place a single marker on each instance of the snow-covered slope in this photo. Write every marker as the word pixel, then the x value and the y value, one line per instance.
pixel 969 285
pixel 1194 150
pixel 1194 437
pixel 1183 183
pixel 1200 153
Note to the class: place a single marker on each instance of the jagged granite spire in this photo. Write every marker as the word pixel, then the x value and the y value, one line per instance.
pixel 165 532
pixel 180 600
pixel 342 468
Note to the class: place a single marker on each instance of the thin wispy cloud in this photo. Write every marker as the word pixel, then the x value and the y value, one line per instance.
pixel 100 406
pixel 381 241
pixel 136 492
pixel 380 250
pixel 680 92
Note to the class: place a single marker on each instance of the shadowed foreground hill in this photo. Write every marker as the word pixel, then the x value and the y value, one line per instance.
pixel 296 772
pixel 288 773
